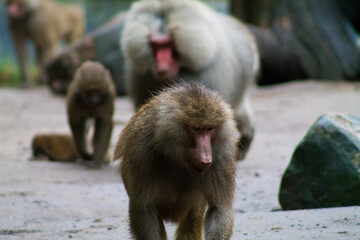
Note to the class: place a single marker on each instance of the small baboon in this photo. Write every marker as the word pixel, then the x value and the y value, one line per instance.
pixel 166 40
pixel 57 147
pixel 178 159
pixel 46 23
pixel 91 95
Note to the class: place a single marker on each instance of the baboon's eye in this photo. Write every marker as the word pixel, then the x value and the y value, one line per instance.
pixel 196 129
pixel 210 129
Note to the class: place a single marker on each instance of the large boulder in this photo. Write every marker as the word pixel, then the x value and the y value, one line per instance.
pixel 325 168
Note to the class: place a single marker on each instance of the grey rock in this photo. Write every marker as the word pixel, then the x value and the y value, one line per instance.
pixel 325 168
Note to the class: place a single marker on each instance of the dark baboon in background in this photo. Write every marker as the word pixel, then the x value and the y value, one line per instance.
pixel 164 40
pixel 178 156
pixel 57 147
pixel 100 45
pixel 91 95
pixel 46 23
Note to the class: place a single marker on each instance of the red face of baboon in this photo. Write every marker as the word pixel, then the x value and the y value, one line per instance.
pixel 201 149
pixel 166 65
pixel 17 8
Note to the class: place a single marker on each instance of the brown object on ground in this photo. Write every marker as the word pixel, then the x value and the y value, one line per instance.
pixel 57 147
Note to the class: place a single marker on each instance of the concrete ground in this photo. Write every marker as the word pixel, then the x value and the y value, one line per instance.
pixel 52 200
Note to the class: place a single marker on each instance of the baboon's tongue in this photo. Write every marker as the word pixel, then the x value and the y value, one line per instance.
pixel 166 67
pixel 164 59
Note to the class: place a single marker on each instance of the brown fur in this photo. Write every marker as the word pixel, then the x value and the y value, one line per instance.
pixel 91 95
pixel 46 23
pixel 57 147
pixel 156 150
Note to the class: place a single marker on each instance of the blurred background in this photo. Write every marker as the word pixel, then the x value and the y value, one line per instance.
pixel 97 13
pixel 297 39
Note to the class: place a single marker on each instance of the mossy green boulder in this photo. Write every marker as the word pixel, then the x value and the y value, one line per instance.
pixel 325 168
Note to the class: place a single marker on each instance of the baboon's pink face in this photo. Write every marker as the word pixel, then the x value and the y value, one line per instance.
pixel 201 149
pixel 16 8
pixel 166 66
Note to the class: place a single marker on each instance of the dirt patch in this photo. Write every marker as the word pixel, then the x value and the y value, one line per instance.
pixel 52 200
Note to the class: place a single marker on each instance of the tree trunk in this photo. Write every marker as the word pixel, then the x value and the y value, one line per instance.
pixel 304 38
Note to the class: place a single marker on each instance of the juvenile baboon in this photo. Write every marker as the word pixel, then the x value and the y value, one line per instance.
pixel 46 23
pixel 164 40
pixel 91 95
pixel 178 156
pixel 57 147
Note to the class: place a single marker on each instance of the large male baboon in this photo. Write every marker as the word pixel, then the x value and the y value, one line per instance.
pixel 46 23
pixel 168 40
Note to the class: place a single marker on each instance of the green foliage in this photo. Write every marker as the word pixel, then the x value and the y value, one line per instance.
pixel 9 73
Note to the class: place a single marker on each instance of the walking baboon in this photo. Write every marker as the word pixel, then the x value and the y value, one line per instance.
pixel 46 23
pixel 91 95
pixel 178 156
pixel 57 147
pixel 164 40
